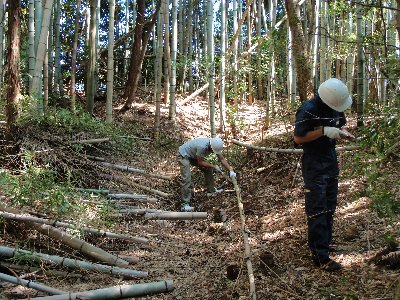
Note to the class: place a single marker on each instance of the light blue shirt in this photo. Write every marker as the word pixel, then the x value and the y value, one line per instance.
pixel 196 147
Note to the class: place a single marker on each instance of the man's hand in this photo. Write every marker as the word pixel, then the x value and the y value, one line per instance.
pixel 232 174
pixel 332 132
pixel 217 169
pixel 344 134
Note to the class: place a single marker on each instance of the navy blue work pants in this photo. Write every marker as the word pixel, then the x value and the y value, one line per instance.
pixel 320 173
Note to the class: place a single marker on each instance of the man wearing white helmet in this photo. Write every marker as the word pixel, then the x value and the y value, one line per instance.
pixel 318 126
pixel 193 153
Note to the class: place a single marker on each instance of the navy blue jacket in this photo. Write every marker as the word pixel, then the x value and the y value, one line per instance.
pixel 314 114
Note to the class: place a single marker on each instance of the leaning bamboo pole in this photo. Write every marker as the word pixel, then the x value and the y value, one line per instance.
pixel 117 292
pixel 73 242
pixel 31 284
pixel 280 150
pixel 71 263
pixel 245 234
pixel 96 231
pixel 132 170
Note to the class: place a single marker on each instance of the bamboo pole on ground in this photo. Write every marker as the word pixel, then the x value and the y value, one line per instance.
pixel 71 263
pixel 245 234
pixel 48 272
pixel 176 215
pixel 139 198
pixel 117 292
pixel 96 191
pixel 96 231
pixel 280 150
pixel 90 141
pixel 132 170
pixel 31 284
pixel 74 242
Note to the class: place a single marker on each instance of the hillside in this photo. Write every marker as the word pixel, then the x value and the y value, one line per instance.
pixel 196 254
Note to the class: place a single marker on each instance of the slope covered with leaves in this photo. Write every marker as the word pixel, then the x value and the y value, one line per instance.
pixel 205 258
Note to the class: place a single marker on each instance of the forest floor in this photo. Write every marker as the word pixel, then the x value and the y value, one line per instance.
pixel 196 254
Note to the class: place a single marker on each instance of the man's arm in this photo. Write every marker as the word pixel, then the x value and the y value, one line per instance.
pixel 224 162
pixel 310 136
pixel 201 162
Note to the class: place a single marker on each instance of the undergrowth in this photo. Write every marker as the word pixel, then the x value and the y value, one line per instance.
pixel 378 162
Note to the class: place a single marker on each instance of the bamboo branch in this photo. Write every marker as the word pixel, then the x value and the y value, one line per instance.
pixel 73 242
pixel 133 170
pixel 245 234
pixel 117 292
pixel 280 150
pixel 90 141
pixel 31 284
pixel 142 187
pixel 68 225
pixel 71 263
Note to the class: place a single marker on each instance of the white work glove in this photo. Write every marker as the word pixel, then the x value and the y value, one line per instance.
pixel 332 132
pixel 217 169
pixel 232 174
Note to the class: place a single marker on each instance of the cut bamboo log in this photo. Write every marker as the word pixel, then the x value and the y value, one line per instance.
pixel 118 292
pixel 139 186
pixel 245 234
pixel 96 231
pixel 71 263
pixel 90 141
pixel 281 150
pixel 176 215
pixel 133 170
pixel 73 242
pixel 31 284
pixel 48 272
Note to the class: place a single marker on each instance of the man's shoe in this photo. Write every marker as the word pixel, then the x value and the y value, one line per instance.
pixel 187 207
pixel 330 266
pixel 217 191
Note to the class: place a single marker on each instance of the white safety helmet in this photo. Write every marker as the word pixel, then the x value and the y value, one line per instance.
pixel 335 94
pixel 216 144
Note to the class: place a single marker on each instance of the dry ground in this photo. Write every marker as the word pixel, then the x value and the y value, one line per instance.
pixel 196 254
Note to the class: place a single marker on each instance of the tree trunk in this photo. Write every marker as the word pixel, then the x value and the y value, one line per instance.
pixel 110 64
pixel 74 54
pixel 210 65
pixel 90 74
pixel 143 29
pixel 305 86
pixel 172 101
pixel 12 72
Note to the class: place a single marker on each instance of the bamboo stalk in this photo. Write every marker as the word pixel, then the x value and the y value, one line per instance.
pixel 31 284
pixel 132 170
pixel 280 150
pixel 117 292
pixel 176 215
pixel 74 242
pixel 68 225
pixel 90 141
pixel 245 234
pixel 71 263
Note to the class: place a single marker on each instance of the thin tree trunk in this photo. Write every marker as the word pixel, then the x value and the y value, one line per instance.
pixel 167 54
pixel 110 64
pixel 12 78
pixel 74 54
pixel 305 86
pixel 143 30
pixel 174 46
pixel 360 67
pixel 223 67
pixel 158 73
pixel 210 65
pixel 31 39
pixel 91 70
pixel 57 50
pixel 2 22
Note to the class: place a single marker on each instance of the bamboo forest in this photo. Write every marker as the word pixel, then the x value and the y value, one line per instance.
pixel 200 149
